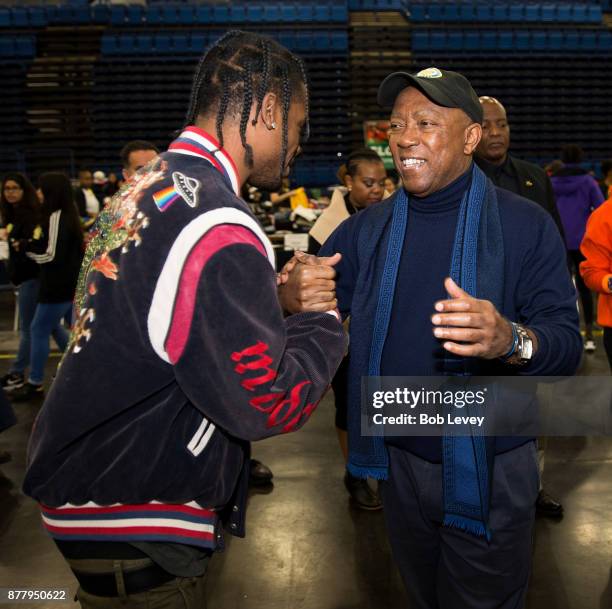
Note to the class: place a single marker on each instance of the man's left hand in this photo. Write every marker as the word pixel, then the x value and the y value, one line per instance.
pixel 470 327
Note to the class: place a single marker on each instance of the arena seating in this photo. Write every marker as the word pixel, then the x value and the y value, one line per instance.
pixel 81 79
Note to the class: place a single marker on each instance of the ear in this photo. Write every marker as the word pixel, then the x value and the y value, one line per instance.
pixel 125 175
pixel 348 181
pixel 473 134
pixel 269 111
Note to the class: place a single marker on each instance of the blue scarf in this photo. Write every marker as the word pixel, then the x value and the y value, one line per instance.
pixel 477 265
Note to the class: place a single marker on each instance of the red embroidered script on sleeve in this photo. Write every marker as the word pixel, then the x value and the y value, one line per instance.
pixel 280 406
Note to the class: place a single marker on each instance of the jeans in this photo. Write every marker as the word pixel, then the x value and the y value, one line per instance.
pixel 46 321
pixel 27 302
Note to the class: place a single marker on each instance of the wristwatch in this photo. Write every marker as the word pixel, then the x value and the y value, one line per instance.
pixel 522 347
pixel 610 284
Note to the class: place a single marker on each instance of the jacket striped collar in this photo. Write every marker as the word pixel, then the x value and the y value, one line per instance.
pixel 194 141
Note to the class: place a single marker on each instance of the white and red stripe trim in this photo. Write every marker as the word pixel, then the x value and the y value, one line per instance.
pixel 186 523
pixel 194 141
pixel 171 310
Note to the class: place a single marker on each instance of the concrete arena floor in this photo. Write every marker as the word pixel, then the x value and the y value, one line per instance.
pixel 306 548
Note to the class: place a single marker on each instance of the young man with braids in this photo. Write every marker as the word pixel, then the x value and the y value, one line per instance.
pixel 138 463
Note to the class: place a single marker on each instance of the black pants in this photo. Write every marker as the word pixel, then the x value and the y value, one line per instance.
pixel 586 297
pixel 607 337
pixel 444 568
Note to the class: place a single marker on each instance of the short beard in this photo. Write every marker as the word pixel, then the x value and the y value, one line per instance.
pixel 267 178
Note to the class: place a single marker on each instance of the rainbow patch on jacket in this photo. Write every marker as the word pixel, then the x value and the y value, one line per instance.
pixel 182 187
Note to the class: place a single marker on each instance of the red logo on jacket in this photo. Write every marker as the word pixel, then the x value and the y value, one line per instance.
pixel 280 406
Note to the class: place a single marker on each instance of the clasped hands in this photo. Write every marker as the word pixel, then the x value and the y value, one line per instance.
pixel 467 326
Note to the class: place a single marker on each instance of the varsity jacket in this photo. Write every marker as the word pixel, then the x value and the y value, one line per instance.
pixel 179 357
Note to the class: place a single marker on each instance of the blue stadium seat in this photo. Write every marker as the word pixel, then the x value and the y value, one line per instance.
pixel 539 41
pixel 198 43
pixel 100 14
pixel 7 46
pixel 5 18
pixel 185 14
pixel 109 45
pixel 202 14
pixel 564 13
pixel 455 41
pixel 555 40
pixel 220 13
pixel 38 16
pixel 594 13
pixel 322 12
pixel 339 12
pixel 604 42
pixel 500 13
pixel 420 41
pixel 532 13
pixel 438 41
pixel 417 13
pixel 238 13
pixel 516 14
pixel 488 41
pixel 144 44
pixel 81 15
pixel 305 12
pixel 289 12
pixel 135 14
pixel 271 13
pixel 522 41
pixel 162 43
pixel 483 13
pixel 571 41
pixel 450 13
pixel 579 13
pixel 25 47
pixel 471 41
pixel 339 41
pixel 467 12
pixel 435 13
pixel 180 44
pixel 117 14
pixel 20 17
pixel 254 12
pixel 548 13
pixel 505 41
pixel 588 41
pixel 125 44
pixel 170 15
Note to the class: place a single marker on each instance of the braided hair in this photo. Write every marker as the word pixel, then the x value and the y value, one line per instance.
pixel 241 67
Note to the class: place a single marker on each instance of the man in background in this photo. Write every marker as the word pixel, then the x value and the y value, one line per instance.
pixel 507 171
pixel 84 196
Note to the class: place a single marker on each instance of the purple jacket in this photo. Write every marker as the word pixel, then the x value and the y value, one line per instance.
pixel 577 195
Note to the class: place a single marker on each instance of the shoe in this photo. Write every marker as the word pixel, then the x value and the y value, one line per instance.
pixel 12 381
pixel 589 345
pixel 361 494
pixel 28 392
pixel 547 506
pixel 259 474
pixel 5 456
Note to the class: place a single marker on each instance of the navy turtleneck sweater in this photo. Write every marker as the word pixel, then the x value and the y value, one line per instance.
pixel 411 348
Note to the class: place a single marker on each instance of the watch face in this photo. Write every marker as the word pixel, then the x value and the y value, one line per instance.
pixel 610 284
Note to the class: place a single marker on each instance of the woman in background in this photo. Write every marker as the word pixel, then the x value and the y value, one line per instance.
pixel 364 176
pixel 577 195
pixel 20 210
pixel 58 252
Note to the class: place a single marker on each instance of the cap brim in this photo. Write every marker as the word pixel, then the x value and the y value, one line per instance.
pixel 395 83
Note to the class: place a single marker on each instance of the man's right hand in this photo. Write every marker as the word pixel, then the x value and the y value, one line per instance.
pixel 307 283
